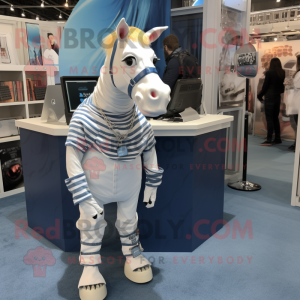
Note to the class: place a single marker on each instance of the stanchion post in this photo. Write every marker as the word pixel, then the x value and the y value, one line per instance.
pixel 245 185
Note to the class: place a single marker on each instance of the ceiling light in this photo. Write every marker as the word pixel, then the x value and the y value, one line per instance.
pixel 277 0
pixel 60 16
pixel 23 14
pixel 66 4
pixel 37 17
pixel 42 4
pixel 12 8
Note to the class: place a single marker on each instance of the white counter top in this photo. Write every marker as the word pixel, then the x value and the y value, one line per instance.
pixel 205 124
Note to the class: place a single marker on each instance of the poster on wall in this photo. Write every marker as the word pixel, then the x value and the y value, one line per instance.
pixel 231 90
pixel 7 51
pixel 34 44
pixel 102 16
pixel 232 87
pixel 5 58
pixel 285 51
pixel 50 44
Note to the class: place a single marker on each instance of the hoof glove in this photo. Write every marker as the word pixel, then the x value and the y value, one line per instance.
pixel 93 292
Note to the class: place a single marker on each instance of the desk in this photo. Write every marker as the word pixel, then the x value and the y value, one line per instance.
pixel 189 202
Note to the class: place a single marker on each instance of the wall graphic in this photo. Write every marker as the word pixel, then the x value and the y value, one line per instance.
pixel 8 50
pixel 34 44
pixel 232 87
pixel 92 20
pixel 285 51
pixel 50 42
pixel 198 2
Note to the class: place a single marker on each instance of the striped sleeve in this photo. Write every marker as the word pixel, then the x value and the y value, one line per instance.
pixel 154 177
pixel 76 135
pixel 78 186
pixel 151 140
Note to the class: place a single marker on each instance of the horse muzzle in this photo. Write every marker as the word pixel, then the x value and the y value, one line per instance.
pixel 152 96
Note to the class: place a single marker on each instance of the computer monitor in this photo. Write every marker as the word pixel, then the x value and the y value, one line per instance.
pixel 187 93
pixel 75 90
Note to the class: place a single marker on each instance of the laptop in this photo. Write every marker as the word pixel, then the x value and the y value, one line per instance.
pixel 53 108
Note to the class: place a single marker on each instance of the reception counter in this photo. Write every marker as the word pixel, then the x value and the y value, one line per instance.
pixel 189 205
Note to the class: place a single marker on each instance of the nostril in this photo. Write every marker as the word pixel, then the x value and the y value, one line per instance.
pixel 153 94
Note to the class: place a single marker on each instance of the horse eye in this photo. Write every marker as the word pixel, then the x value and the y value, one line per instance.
pixel 155 60
pixel 129 61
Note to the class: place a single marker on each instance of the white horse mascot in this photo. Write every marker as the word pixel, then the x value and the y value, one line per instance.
pixel 108 133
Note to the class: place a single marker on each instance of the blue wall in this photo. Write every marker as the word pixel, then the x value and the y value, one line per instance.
pixel 188 29
pixel 91 17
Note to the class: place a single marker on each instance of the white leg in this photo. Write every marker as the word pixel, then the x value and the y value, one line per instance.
pixel 137 268
pixel 92 285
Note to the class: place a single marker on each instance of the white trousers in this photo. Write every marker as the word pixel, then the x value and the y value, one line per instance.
pixel 108 181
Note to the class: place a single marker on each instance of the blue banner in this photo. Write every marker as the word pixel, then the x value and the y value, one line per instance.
pixel 92 20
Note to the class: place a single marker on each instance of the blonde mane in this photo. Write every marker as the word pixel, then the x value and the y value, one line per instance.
pixel 135 35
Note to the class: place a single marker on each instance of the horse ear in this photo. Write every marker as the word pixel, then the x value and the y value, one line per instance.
pixel 122 30
pixel 155 33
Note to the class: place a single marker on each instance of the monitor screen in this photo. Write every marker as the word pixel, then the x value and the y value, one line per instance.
pixel 78 90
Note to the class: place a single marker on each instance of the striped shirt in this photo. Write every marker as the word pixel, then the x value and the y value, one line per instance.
pixel 89 130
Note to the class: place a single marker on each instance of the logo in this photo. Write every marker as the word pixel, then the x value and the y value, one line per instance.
pixel 39 258
pixel 94 165
pixel 83 88
pixel 53 102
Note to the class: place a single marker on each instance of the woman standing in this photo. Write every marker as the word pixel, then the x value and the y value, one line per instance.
pixel 272 89
pixel 295 83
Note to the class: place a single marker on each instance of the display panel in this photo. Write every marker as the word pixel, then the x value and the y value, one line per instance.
pixel 232 87
pixel 34 44
pixel 77 91
pixel 50 43
pixel 188 29
pixel 5 59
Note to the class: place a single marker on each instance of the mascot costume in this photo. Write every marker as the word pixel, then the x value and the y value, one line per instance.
pixel 108 133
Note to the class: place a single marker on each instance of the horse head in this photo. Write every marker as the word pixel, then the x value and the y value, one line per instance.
pixel 131 64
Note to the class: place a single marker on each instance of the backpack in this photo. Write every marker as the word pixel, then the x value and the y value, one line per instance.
pixel 189 64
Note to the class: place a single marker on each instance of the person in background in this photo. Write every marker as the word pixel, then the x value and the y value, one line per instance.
pixel 180 63
pixel 271 91
pixel 295 82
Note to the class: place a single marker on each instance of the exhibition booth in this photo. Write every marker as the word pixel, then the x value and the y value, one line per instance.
pixel 25 72
pixel 193 171
pixel 275 34
pixel 40 68
pixel 35 67
pixel 191 150
pixel 192 153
